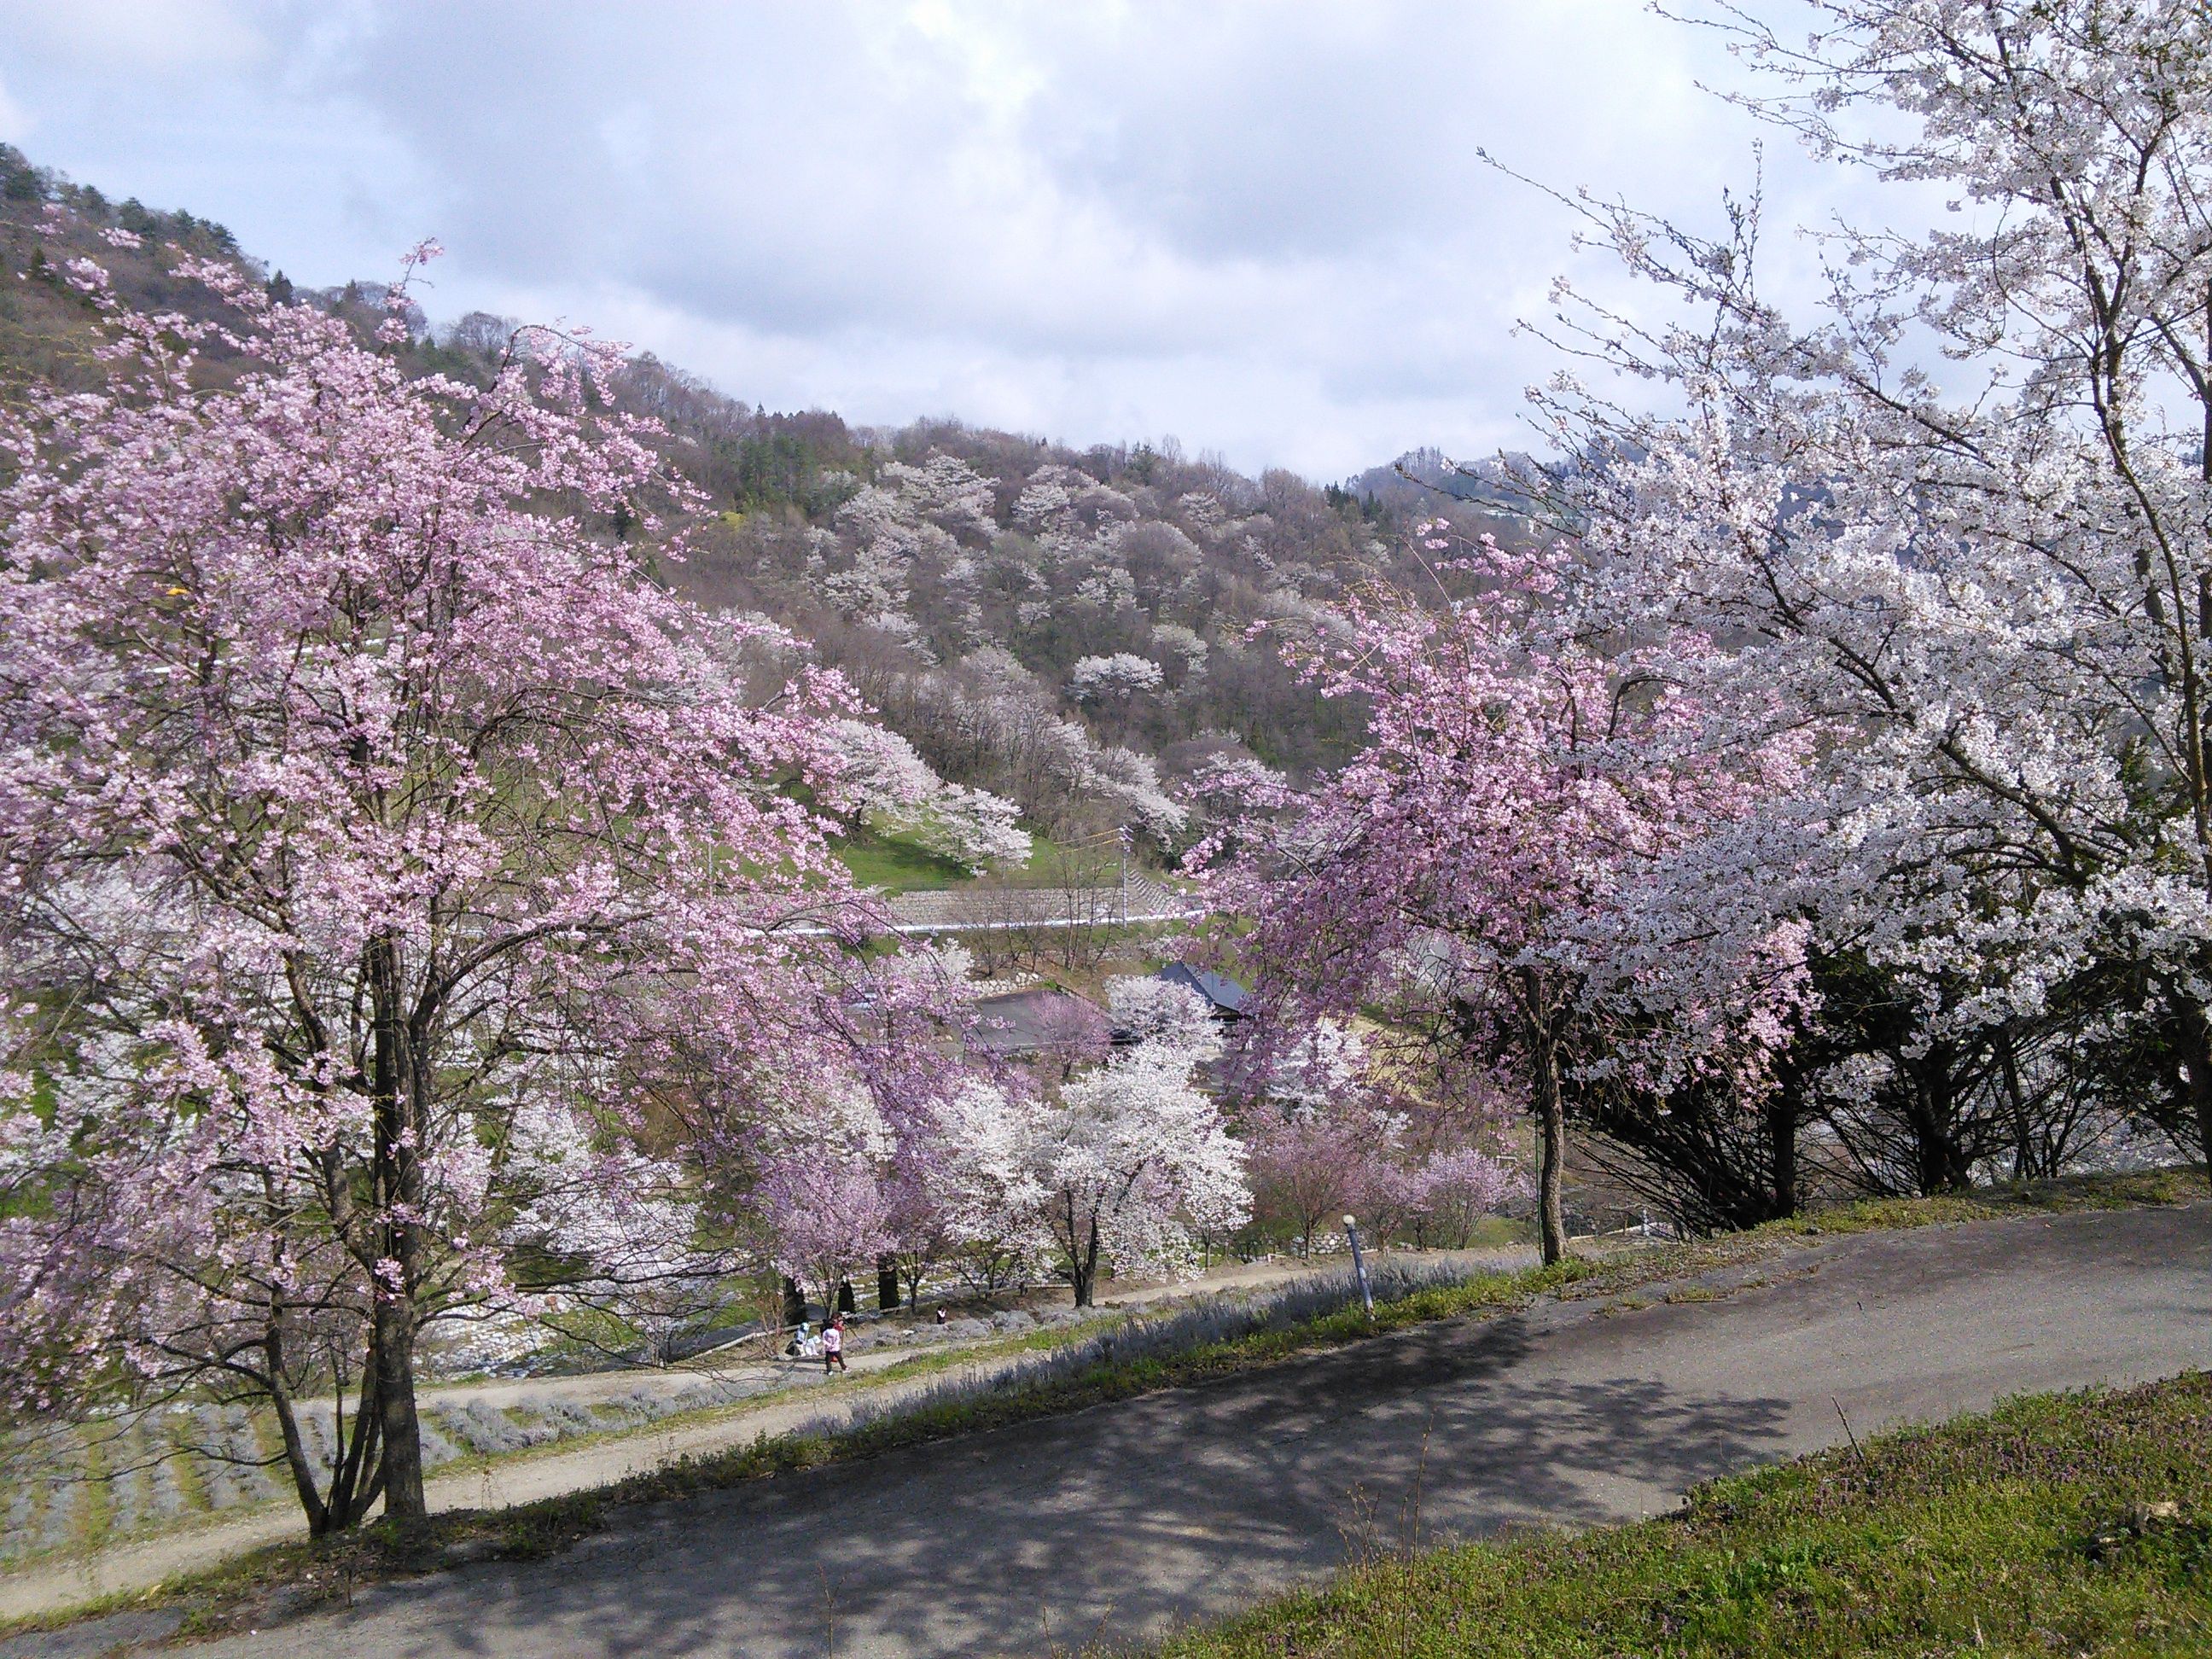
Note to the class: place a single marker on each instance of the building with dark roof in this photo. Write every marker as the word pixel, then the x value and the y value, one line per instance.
pixel 1224 997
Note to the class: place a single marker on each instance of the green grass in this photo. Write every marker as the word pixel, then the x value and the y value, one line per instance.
pixel 1051 862
pixel 2068 1524
pixel 896 865
pixel 99 1491
pixel 1049 859
pixel 2071 1194
pixel 881 857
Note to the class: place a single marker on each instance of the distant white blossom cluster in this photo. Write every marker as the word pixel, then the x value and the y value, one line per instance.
pixel 1097 679
pixel 899 791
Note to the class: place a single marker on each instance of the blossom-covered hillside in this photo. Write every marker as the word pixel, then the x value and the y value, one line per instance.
pixel 1070 631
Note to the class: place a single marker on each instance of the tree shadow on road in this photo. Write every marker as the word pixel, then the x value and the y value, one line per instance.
pixel 1108 1522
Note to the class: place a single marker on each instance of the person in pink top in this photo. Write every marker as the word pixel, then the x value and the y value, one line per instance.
pixel 833 1346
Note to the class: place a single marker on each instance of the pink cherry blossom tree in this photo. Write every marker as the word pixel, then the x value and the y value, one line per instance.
pixel 1328 1134
pixel 1311 1163
pixel 841 1183
pixel 1071 1033
pixel 829 1214
pixel 360 795
pixel 1489 868
pixel 1319 1139
pixel 1451 1190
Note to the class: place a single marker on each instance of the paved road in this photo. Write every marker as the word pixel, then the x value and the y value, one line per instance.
pixel 1112 1522
pixel 803 1397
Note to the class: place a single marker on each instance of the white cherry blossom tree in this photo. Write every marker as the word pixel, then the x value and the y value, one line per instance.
pixel 1961 516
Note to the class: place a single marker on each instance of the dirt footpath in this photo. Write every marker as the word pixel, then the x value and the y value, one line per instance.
pixel 1112 1522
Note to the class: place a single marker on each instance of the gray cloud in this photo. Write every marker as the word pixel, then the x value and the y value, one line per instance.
pixel 1264 228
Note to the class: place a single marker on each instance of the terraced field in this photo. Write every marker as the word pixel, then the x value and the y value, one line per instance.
pixel 107 1481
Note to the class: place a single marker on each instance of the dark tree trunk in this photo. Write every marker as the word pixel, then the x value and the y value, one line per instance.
pixel 305 1478
pixel 1782 1143
pixel 402 1432
pixel 398 1180
pixel 349 1497
pixel 2023 1140
pixel 358 1481
pixel 2200 1088
pixel 1943 1162
pixel 1084 1267
pixel 2182 1107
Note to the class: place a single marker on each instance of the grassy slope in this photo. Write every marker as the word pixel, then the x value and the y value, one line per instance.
pixel 885 858
pixel 894 865
pixel 2058 1524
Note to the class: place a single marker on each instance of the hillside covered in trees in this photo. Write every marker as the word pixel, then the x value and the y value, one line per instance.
pixel 1072 631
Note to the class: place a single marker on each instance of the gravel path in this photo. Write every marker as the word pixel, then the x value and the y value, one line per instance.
pixel 1114 1521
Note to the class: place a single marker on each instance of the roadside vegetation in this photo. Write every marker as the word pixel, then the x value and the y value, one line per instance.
pixel 2076 1523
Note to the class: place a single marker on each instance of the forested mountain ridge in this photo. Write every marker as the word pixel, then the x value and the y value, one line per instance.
pixel 1070 630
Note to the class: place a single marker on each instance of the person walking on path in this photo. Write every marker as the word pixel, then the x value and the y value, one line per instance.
pixel 833 1346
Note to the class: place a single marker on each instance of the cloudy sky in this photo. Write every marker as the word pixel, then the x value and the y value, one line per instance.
pixel 1261 229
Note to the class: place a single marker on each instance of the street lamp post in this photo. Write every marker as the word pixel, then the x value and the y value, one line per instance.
pixel 1359 1264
